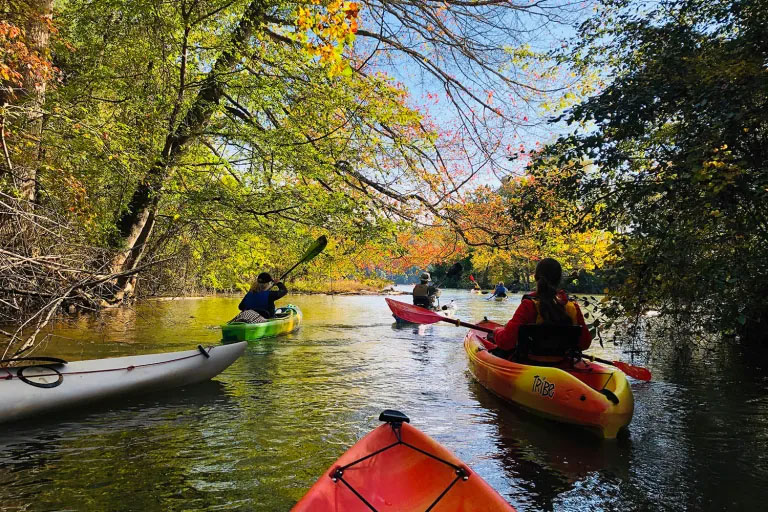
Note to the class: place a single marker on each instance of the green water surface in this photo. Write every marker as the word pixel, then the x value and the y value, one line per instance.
pixel 258 435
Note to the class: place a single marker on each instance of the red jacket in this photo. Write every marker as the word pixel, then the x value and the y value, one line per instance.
pixel 506 337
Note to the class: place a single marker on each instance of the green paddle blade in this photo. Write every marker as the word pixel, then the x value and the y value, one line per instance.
pixel 315 249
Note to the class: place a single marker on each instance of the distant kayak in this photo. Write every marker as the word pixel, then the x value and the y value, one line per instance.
pixel 287 319
pixel 590 394
pixel 397 468
pixel 43 385
pixel 448 311
pixel 500 299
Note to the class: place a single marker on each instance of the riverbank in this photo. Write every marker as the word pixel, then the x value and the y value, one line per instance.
pixel 299 287
pixel 344 287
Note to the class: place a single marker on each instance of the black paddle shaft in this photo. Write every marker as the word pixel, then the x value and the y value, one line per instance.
pixel 455 270
pixel 465 324
pixel 290 270
pixel 636 372
pixel 316 248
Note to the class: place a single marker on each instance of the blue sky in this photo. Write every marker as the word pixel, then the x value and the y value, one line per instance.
pixel 528 121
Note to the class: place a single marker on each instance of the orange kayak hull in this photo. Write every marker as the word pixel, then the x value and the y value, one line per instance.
pixel 592 395
pixel 400 478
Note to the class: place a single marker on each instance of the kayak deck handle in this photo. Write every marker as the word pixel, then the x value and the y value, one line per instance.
pixel 393 416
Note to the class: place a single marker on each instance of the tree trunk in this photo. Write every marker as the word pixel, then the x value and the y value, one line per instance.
pixel 38 34
pixel 138 220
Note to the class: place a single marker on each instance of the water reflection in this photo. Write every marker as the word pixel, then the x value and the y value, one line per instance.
pixel 259 435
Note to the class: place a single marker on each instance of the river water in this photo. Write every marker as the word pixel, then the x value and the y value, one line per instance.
pixel 258 435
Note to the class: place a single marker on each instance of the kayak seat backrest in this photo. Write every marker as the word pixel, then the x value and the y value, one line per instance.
pixel 547 340
pixel 283 312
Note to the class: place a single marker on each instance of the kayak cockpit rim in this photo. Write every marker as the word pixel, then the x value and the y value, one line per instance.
pixel 586 375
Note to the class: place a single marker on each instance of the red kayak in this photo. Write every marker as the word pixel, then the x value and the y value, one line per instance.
pixel 398 468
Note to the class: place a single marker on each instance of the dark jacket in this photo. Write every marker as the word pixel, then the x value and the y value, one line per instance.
pixel 263 302
pixel 425 295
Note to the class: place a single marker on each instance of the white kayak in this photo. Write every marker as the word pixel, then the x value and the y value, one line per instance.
pixel 38 386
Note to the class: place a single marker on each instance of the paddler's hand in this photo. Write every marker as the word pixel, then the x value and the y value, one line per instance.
pixel 490 337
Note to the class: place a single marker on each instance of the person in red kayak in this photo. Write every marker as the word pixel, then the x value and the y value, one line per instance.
pixel 425 295
pixel 258 305
pixel 547 305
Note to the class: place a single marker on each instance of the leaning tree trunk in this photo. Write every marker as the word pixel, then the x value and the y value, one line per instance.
pixel 38 33
pixel 138 220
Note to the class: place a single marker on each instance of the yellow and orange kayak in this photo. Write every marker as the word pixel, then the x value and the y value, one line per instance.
pixel 592 395
pixel 397 468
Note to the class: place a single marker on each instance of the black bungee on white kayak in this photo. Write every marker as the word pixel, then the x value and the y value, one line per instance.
pixel 35 386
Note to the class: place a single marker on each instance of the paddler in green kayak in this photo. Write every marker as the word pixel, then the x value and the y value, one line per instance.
pixel 548 305
pixel 425 295
pixel 258 305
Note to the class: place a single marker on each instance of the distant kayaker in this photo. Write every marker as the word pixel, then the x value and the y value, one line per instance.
pixel 547 305
pixel 500 290
pixel 425 295
pixel 258 304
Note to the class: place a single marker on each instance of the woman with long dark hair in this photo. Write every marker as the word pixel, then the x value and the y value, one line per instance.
pixel 547 305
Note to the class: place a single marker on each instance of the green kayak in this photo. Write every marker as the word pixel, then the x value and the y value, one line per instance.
pixel 287 319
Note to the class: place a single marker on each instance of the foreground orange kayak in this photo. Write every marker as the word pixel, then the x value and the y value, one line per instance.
pixel 592 395
pixel 398 468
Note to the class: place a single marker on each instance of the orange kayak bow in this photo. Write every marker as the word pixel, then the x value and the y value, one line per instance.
pixel 396 467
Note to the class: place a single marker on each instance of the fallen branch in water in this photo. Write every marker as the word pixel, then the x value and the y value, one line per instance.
pixel 47 269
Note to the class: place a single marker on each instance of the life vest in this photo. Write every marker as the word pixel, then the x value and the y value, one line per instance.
pixel 570 310
pixel 421 296
pixel 257 301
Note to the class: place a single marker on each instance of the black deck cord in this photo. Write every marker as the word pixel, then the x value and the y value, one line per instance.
pixel 610 395
pixel 45 385
pixel 40 358
pixel 609 380
pixel 460 474
pixel 339 473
